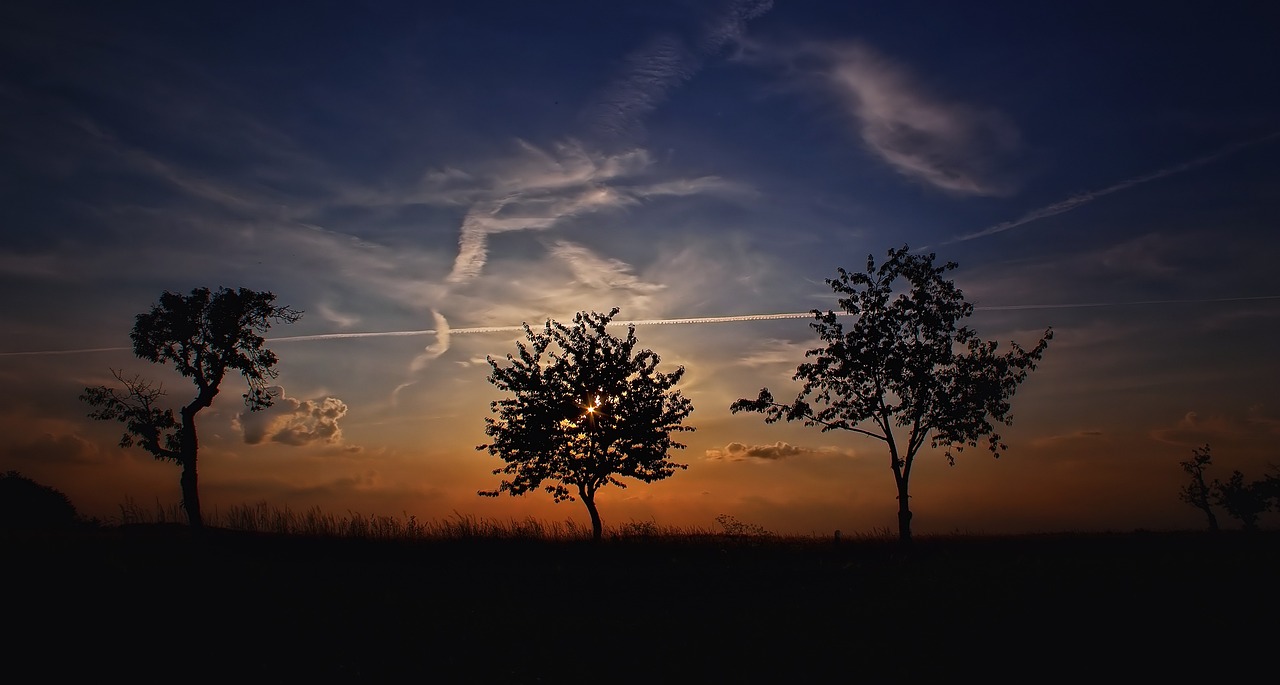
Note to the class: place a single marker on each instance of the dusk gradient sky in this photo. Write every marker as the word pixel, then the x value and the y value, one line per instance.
pixel 422 177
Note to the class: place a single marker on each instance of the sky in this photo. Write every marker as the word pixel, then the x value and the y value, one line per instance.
pixel 420 179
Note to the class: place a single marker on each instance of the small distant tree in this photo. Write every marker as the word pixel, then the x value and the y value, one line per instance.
pixel 1197 493
pixel 905 362
pixel 204 335
pixel 587 409
pixel 1243 501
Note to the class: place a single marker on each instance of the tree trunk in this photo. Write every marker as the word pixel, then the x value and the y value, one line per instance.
pixel 596 528
pixel 1213 520
pixel 904 512
pixel 191 494
pixel 190 484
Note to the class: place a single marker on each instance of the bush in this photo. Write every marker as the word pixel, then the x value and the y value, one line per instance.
pixel 28 505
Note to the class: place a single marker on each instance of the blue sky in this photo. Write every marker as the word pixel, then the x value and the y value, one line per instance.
pixel 447 168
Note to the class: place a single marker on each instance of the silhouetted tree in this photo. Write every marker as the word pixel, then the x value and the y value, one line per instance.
pixel 1197 493
pixel 28 505
pixel 204 335
pixel 905 362
pixel 1244 501
pixel 586 412
pixel 1269 486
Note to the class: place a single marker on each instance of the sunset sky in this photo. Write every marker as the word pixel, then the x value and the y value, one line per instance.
pixel 412 175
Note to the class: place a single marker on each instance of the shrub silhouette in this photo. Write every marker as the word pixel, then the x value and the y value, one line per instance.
pixel 28 505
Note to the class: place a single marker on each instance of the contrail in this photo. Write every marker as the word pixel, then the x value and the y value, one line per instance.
pixel 477 330
pixel 1089 196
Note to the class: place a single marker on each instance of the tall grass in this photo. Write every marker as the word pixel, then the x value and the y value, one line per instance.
pixel 315 522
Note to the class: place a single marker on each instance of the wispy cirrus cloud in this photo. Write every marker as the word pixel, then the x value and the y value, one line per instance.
pixel 773 351
pixel 661 65
pixel 540 189
pixel 599 272
pixel 952 146
pixel 957 147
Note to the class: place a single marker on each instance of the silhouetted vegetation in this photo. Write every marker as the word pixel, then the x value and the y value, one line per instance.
pixel 26 505
pixel 204 335
pixel 308 596
pixel 906 362
pixel 586 412
pixel 1197 493
pixel 1243 501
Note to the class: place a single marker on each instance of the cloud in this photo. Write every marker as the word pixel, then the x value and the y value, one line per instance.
pixel 291 421
pixel 773 351
pixel 539 190
pixel 951 146
pixel 598 272
pixel 1071 437
pixel 1194 429
pixel 435 349
pixel 339 319
pixel 649 74
pixel 730 26
pixel 666 61
pixel 737 451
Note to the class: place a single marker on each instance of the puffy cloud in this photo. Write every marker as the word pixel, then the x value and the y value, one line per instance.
pixel 291 421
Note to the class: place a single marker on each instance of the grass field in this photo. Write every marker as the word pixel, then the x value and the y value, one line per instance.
pixel 269 595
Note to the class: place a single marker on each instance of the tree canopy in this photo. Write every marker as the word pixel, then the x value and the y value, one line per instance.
pixel 905 371
pixel 587 409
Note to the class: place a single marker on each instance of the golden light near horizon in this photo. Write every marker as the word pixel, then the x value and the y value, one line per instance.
pixel 418 252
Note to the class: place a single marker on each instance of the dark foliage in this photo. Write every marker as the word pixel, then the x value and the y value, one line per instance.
pixel 1245 502
pixel 1198 493
pixel 587 409
pixel 203 335
pixel 905 364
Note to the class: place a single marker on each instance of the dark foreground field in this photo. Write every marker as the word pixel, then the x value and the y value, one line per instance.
pixel 150 603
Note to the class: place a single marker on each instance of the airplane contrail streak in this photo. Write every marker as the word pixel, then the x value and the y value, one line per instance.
pixel 1086 197
pixel 671 322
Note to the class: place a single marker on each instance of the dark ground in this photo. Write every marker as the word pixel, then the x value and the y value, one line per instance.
pixel 153 603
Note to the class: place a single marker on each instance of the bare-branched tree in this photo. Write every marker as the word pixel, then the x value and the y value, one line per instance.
pixel 1198 493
